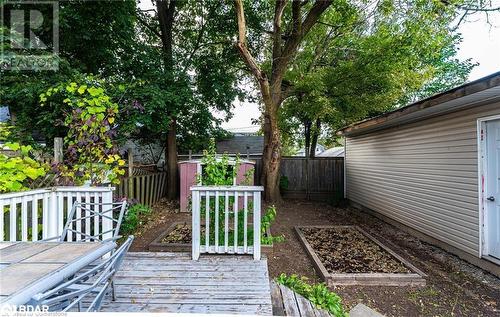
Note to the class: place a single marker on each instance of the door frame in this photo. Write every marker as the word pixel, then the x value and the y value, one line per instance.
pixel 481 172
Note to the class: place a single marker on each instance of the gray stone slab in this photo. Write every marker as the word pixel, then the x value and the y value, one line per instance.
pixel 361 310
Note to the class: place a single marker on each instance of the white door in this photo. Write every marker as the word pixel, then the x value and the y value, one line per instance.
pixel 492 193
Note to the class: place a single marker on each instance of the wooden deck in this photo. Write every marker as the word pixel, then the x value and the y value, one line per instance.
pixel 173 283
pixel 288 303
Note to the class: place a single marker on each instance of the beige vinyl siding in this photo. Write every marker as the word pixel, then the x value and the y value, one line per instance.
pixel 422 174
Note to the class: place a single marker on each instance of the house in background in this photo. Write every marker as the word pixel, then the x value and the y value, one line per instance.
pixel 242 143
pixel 337 151
pixel 433 168
pixel 302 152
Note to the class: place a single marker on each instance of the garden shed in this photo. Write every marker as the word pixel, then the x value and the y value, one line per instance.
pixel 433 168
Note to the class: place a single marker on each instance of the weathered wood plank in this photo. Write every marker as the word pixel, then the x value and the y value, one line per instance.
pixel 277 300
pixel 289 301
pixel 305 306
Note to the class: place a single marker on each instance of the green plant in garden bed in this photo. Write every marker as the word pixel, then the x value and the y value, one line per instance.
pixel 318 294
pixel 266 221
pixel 134 217
pixel 218 171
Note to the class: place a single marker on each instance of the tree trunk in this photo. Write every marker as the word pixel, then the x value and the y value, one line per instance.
pixel 307 135
pixel 314 143
pixel 166 11
pixel 171 157
pixel 271 157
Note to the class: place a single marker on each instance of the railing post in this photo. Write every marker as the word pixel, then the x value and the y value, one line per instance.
pixel 256 225
pixel 195 209
pixel 107 224
pixel 52 214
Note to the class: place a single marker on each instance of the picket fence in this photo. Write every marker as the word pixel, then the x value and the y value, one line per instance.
pixel 42 213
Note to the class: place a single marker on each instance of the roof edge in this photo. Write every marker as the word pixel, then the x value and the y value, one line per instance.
pixel 466 89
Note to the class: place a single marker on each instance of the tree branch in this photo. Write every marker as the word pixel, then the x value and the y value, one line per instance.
pixel 245 53
pixel 146 24
pixel 293 42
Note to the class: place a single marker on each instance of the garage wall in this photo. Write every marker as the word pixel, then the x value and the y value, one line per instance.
pixel 422 174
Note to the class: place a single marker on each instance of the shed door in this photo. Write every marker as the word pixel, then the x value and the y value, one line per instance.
pixel 492 202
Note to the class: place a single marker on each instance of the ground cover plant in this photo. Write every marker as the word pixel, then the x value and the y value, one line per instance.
pixel 135 216
pixel 318 294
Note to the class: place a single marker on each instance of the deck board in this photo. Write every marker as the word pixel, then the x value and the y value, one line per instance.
pixel 288 303
pixel 173 283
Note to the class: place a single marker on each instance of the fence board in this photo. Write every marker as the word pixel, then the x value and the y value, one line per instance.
pixel 146 188
pixel 320 178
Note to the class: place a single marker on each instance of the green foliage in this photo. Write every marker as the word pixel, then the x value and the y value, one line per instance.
pixel 217 170
pixel 283 182
pixel 362 61
pixel 318 294
pixel 19 170
pixel 135 213
pixel 91 153
pixel 266 222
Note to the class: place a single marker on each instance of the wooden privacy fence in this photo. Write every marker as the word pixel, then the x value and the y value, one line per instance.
pixel 147 189
pixel 42 213
pixel 320 178
pixel 226 220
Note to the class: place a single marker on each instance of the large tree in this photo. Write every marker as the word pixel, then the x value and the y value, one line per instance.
pixel 196 71
pixel 291 25
pixel 285 43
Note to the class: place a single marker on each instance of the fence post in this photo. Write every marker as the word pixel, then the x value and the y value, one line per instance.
pixel 58 150
pixel 107 224
pixel 195 205
pixel 130 180
pixel 256 225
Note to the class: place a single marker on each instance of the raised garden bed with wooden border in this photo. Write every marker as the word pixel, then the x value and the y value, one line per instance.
pixel 414 277
pixel 158 245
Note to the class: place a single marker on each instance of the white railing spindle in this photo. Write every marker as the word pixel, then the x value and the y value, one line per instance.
pixel 13 218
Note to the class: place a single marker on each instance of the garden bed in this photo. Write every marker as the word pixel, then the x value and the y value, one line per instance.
pixel 177 238
pixel 347 255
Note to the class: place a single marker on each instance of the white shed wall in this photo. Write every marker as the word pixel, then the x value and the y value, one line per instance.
pixel 423 174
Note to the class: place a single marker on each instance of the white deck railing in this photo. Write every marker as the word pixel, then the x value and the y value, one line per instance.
pixel 28 215
pixel 230 218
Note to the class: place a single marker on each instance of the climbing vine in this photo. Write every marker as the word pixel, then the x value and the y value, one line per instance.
pixel 91 154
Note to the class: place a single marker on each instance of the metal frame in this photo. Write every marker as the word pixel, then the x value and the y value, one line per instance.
pixel 90 213
pixel 94 281
pixel 481 172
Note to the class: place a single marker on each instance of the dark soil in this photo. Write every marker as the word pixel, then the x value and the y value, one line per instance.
pixel 346 250
pixel 454 287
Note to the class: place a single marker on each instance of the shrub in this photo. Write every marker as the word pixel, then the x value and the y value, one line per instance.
pixel 318 294
pixel 266 222
pixel 216 169
pixel 133 217
pixel 19 171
